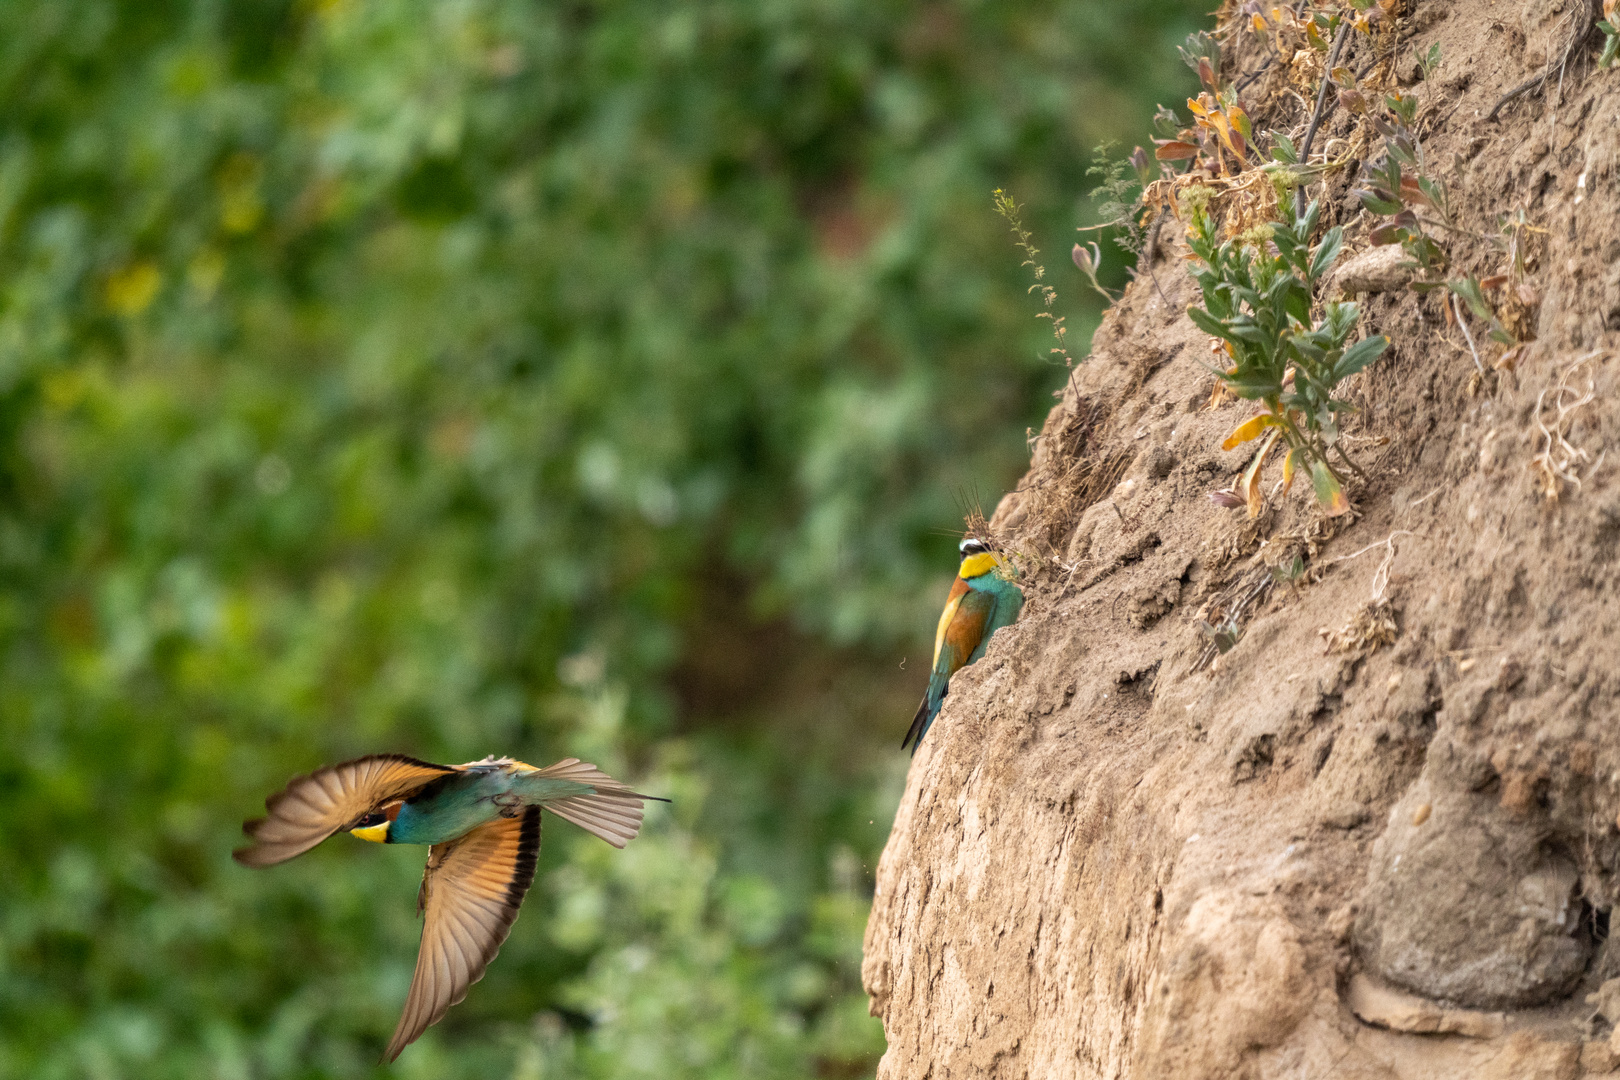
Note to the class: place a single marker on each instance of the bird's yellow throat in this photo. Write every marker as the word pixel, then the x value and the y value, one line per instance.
pixel 974 565
pixel 377 834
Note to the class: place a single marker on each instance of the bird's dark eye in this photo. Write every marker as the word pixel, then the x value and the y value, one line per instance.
pixel 369 820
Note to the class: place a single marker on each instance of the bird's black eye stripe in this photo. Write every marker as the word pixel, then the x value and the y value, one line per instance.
pixel 368 820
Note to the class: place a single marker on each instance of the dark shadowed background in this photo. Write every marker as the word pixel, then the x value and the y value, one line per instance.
pixel 499 376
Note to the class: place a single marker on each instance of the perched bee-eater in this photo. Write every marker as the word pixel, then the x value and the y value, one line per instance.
pixel 981 602
pixel 482 822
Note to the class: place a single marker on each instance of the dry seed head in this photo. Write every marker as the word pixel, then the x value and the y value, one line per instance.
pixel 1195 197
pixel 1306 70
pixel 1249 208
pixel 1257 236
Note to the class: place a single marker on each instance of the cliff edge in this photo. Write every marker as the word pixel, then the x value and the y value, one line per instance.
pixel 1299 795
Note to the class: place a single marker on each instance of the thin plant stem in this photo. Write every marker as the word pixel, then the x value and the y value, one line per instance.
pixel 1468 336
pixel 1317 113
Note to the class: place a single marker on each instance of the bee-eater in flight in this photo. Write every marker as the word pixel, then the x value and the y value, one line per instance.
pixel 981 602
pixel 482 824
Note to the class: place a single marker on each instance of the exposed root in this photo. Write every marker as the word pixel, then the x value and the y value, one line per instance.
pixel 1380 581
pixel 1426 498
pixel 1560 462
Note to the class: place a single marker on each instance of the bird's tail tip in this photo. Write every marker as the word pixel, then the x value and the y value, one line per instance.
pixel 614 817
pixel 919 727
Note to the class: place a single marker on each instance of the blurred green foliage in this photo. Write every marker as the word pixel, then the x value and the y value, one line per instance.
pixel 482 376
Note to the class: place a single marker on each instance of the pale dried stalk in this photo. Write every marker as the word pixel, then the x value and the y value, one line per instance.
pixel 1460 322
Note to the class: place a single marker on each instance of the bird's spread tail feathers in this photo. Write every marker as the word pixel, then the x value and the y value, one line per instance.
pixel 615 818
pixel 612 811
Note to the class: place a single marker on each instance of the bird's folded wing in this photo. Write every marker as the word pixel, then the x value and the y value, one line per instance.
pixel 959 589
pixel 313 807
pixel 471 893
pixel 965 631
pixel 612 811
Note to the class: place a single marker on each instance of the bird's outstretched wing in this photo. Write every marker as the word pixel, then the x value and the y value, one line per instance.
pixel 612 812
pixel 471 892
pixel 313 807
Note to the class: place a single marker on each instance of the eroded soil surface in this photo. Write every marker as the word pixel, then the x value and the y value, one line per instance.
pixel 1376 838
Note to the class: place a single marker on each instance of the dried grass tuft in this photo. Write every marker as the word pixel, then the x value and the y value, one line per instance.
pixel 1371 626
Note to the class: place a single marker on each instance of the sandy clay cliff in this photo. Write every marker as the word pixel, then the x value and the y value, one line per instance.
pixel 1376 838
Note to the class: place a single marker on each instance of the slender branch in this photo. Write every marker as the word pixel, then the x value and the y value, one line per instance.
pixel 1337 449
pixel 1536 82
pixel 1150 249
pixel 1523 88
pixel 1244 83
pixel 1318 113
